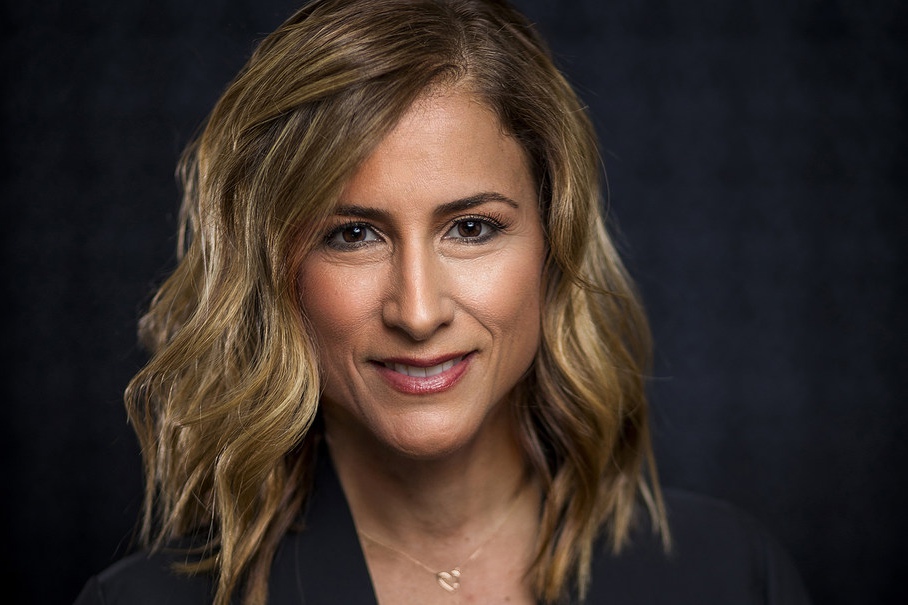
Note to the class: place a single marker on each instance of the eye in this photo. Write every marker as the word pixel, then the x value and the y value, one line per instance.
pixel 473 229
pixel 351 235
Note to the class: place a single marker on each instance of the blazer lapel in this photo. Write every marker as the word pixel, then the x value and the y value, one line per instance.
pixel 322 564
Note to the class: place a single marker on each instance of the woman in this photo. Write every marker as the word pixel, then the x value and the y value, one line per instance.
pixel 400 360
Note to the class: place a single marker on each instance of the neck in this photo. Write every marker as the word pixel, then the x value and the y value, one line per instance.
pixel 452 499
pixel 462 522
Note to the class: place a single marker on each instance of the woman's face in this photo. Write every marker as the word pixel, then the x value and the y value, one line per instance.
pixel 424 294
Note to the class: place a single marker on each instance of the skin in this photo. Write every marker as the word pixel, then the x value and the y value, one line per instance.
pixel 435 254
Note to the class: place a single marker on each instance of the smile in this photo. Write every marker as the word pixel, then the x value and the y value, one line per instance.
pixel 424 376
pixel 422 372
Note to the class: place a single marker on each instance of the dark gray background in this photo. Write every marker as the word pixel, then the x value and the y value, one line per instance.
pixel 758 160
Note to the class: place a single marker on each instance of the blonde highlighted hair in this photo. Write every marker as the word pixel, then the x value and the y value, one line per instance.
pixel 225 408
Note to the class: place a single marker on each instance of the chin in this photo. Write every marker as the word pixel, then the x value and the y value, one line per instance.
pixel 432 440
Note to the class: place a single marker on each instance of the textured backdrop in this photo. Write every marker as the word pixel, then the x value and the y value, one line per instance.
pixel 757 154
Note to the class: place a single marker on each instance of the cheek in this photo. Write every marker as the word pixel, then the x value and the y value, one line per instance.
pixel 505 295
pixel 336 304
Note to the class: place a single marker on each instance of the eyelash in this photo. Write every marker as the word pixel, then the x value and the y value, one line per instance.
pixel 334 232
pixel 493 220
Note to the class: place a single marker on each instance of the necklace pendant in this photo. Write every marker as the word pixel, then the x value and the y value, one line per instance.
pixel 449 580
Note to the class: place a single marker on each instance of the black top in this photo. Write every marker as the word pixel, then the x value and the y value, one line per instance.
pixel 719 556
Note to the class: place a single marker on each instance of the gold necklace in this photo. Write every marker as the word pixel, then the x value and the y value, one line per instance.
pixel 450 580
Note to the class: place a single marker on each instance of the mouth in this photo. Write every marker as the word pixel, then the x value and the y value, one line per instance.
pixel 424 376
pixel 422 371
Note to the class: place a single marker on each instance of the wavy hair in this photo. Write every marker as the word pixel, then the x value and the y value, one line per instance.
pixel 226 408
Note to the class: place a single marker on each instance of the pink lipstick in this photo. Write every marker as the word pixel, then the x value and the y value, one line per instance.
pixel 423 376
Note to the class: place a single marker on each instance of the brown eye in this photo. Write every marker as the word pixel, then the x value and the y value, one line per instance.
pixel 469 229
pixel 353 234
pixel 473 230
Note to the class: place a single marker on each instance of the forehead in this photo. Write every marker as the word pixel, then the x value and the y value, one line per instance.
pixel 447 143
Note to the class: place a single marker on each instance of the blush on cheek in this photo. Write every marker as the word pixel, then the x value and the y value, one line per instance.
pixel 506 288
pixel 335 299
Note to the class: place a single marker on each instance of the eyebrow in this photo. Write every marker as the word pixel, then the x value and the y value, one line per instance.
pixel 451 207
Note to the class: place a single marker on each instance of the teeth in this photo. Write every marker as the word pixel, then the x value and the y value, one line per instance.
pixel 416 372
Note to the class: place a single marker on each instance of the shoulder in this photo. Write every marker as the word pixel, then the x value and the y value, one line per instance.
pixel 321 564
pixel 146 579
pixel 719 554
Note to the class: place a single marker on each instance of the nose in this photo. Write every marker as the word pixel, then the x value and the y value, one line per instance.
pixel 418 301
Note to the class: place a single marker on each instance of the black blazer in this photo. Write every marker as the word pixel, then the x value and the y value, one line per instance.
pixel 719 556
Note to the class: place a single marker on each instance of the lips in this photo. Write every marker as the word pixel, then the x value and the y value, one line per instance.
pixel 423 376
pixel 416 371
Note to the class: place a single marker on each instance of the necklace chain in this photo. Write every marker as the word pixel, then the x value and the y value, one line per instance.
pixel 449 580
